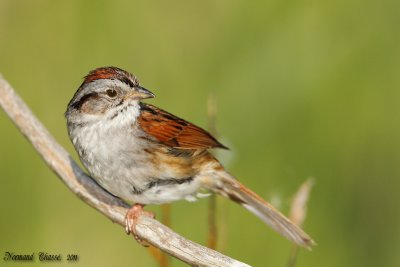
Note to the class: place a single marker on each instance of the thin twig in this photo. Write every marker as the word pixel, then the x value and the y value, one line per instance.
pixel 298 213
pixel 212 222
pixel 166 220
pixel 162 258
pixel 212 201
pixel 59 161
pixel 159 256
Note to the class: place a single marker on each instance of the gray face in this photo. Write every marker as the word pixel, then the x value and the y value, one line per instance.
pixel 105 97
pixel 99 96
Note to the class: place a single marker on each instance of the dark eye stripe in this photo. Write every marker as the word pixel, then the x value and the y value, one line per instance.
pixel 78 104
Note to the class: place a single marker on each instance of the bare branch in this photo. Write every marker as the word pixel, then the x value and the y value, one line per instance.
pixel 86 189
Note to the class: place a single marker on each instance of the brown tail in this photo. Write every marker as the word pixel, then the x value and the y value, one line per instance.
pixel 234 190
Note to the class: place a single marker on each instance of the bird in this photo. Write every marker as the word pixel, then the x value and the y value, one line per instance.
pixel 145 155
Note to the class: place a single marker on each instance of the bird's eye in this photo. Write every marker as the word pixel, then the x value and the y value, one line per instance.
pixel 111 93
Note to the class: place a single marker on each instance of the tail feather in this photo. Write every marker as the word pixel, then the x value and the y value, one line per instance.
pixel 234 190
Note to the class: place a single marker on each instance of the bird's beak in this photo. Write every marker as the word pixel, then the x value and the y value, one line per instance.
pixel 143 93
pixel 139 93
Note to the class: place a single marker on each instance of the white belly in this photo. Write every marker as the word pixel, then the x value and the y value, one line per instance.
pixel 123 168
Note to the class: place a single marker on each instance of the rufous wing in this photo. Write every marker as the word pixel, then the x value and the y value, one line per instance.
pixel 173 131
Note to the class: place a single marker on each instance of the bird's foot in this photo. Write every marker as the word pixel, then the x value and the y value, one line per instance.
pixel 131 220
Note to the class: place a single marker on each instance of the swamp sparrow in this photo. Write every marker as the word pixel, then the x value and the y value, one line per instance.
pixel 145 155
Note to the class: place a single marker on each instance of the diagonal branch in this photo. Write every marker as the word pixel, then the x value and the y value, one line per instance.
pixel 59 161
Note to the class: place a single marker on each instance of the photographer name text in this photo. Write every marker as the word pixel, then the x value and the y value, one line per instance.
pixel 41 256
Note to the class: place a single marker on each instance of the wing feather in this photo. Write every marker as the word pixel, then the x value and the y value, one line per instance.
pixel 173 131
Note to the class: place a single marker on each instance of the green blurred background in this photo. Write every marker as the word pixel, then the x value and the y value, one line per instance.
pixel 304 89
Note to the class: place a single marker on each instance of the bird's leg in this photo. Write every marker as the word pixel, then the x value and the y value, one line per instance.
pixel 131 220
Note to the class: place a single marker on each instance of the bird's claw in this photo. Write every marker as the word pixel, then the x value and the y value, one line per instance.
pixel 131 220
